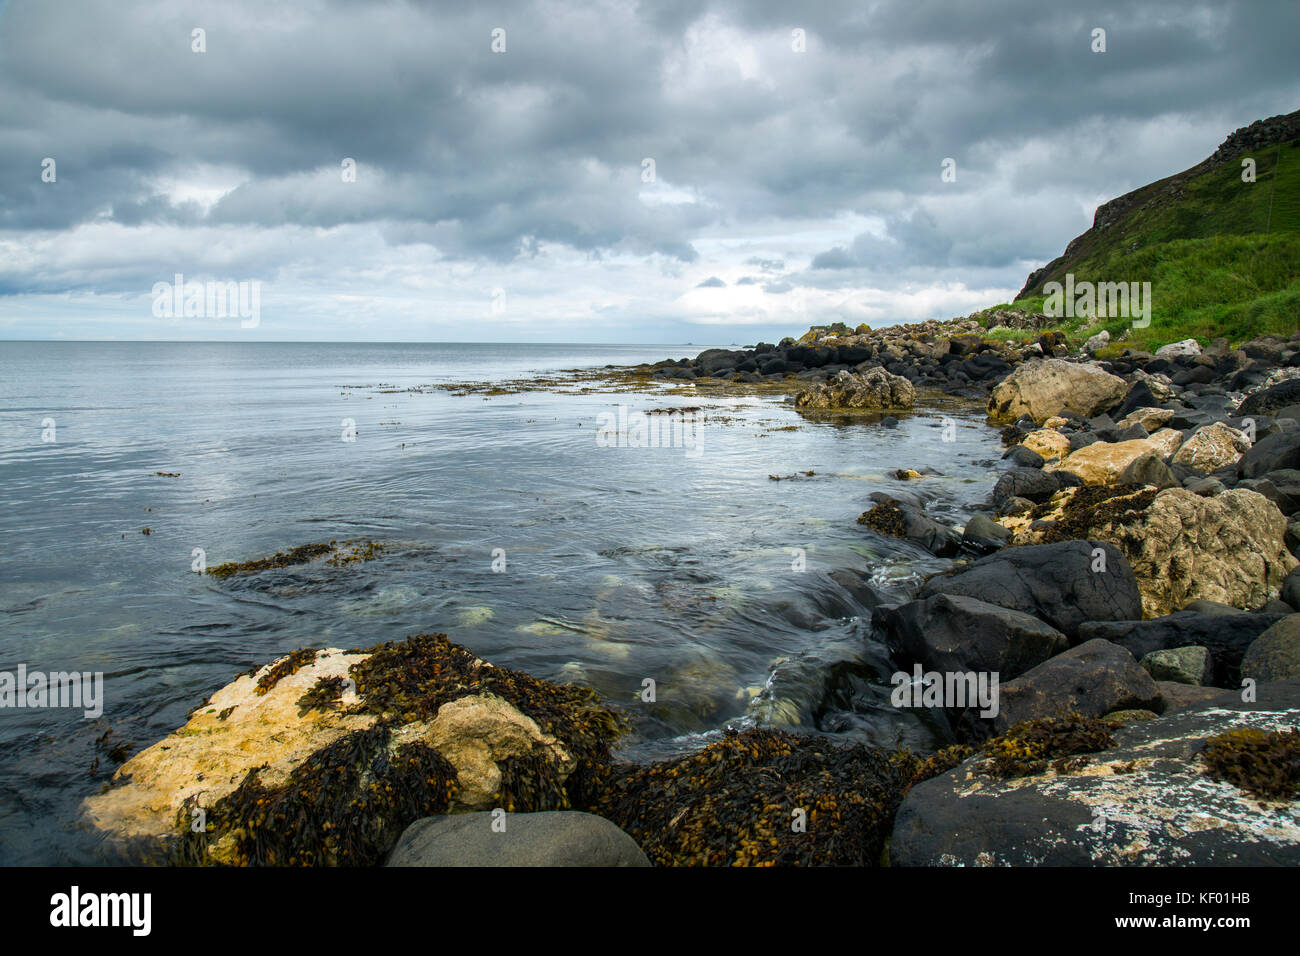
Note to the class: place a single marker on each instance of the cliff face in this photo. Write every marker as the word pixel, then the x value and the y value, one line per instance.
pixel 1123 218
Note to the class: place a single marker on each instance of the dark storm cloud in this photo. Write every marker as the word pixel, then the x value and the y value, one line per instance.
pixel 488 158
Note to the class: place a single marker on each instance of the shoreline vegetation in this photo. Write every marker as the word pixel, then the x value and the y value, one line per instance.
pixel 1131 584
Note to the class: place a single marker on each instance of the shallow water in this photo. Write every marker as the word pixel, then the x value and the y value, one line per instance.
pixel 621 564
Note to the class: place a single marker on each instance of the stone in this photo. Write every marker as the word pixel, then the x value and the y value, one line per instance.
pixel 1290 591
pixel 1186 348
pixel 1031 483
pixel 1275 453
pixel 1145 801
pixel 1102 463
pixel 1092 679
pixel 1182 665
pixel 1152 419
pixel 983 533
pixel 954 633
pixel 546 838
pixel 1097 342
pixel 1053 582
pixel 1275 655
pixel 1047 387
pixel 874 389
pixel 1148 470
pixel 1176 697
pixel 1226 637
pixel 902 520
pixel 1047 442
pixel 1212 447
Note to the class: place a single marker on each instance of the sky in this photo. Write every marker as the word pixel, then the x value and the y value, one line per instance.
pixel 621 172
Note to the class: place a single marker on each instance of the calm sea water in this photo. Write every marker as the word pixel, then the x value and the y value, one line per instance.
pixel 621 564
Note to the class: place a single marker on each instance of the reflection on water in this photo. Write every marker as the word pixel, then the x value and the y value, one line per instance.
pixel 741 597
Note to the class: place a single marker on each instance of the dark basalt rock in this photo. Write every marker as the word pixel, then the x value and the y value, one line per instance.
pixel 1038 486
pixel 1273 453
pixel 1226 635
pixel 1054 582
pixel 1157 805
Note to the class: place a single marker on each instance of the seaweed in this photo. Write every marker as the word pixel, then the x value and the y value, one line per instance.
pixel 325 694
pixel 1092 507
pixel 737 802
pixel 1264 764
pixel 1029 746
pixel 287 665
pixel 281 559
pixel 885 518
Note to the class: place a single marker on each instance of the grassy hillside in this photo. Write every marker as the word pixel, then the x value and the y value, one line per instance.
pixel 1222 256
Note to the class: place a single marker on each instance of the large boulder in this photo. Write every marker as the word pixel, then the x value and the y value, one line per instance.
pixel 1182 547
pixel 1186 348
pixel 1277 452
pixel 901 519
pixel 1269 401
pixel 485 838
pixel 1225 636
pixel 1147 800
pixel 1047 443
pixel 1048 387
pixel 873 389
pixel 1064 584
pixel 954 633
pixel 1092 679
pixel 393 733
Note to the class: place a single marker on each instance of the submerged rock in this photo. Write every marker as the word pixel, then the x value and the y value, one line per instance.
pixel 1148 800
pixel 325 756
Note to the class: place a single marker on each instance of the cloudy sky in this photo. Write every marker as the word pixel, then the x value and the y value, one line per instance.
pixel 610 172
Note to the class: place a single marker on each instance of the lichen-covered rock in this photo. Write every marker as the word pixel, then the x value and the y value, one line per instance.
pixel 1149 417
pixel 1041 389
pixel 1182 665
pixel 1212 447
pixel 873 389
pixel 1150 799
pixel 325 756
pixel 1182 547
pixel 1187 347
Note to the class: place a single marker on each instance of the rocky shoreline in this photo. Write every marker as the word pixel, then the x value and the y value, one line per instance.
pixel 1131 586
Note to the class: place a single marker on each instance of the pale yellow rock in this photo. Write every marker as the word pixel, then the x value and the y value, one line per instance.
pixel 1049 387
pixel 1047 442
pixel 1213 447
pixel 1101 463
pixel 1148 417
pixel 210 756
pixel 1056 421
pixel 1168 440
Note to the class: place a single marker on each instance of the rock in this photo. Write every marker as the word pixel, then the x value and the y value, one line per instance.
pixel 1102 463
pixel 1275 655
pixel 1180 546
pixel 1125 717
pixel 1029 483
pixel 984 534
pixel 1206 487
pixel 1145 801
pixel 1212 447
pixel 1097 342
pixel 1092 679
pixel 1182 665
pixel 905 521
pixel 547 838
pixel 1046 387
pixel 1225 636
pixel 952 633
pixel 1014 506
pixel 1178 697
pixel 1023 457
pixel 1047 442
pixel 874 389
pixel 1272 400
pixel 1148 470
pixel 424 725
pixel 1274 453
pixel 1152 419
pixel 1290 591
pixel 1053 582
pixel 1186 348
